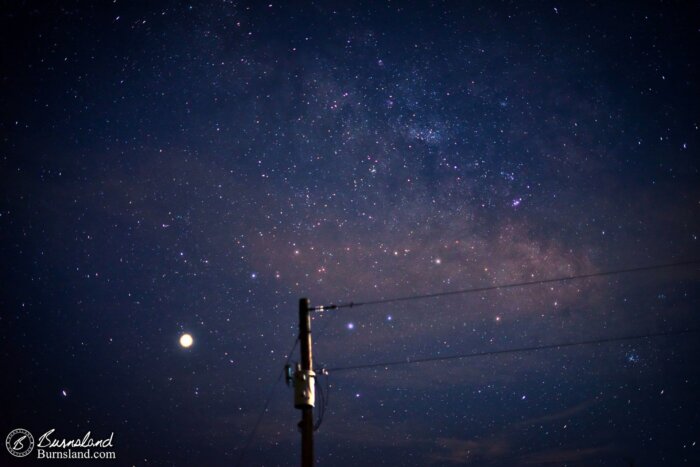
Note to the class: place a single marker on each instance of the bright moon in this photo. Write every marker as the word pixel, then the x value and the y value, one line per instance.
pixel 186 340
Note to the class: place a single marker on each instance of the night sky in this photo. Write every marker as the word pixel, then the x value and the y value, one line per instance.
pixel 171 168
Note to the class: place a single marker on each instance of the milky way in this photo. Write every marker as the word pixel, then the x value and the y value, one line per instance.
pixel 195 169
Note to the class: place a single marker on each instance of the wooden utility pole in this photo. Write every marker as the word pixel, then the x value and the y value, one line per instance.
pixel 304 386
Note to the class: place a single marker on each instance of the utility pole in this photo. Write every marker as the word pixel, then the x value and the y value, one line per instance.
pixel 304 385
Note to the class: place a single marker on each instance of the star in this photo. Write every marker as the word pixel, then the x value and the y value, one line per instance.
pixel 186 341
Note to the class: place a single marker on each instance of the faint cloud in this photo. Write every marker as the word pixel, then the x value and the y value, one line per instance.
pixel 565 456
pixel 562 414
pixel 471 451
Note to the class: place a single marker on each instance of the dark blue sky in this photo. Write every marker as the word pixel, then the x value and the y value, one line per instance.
pixel 173 168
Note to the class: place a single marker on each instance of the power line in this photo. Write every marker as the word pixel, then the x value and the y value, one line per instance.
pixel 254 431
pixel 515 350
pixel 324 398
pixel 508 286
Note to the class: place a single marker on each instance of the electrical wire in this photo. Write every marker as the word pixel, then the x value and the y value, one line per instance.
pixel 327 396
pixel 322 405
pixel 289 355
pixel 322 394
pixel 254 431
pixel 508 286
pixel 515 350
